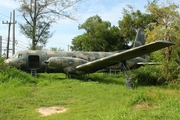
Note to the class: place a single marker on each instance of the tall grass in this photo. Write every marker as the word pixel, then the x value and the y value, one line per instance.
pixel 149 75
pixel 106 97
pixel 14 76
pixel 98 100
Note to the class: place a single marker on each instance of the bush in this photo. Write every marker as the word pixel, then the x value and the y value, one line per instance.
pixel 149 75
pixel 13 75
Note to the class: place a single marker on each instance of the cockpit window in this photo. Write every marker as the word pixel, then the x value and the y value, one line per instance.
pixel 17 56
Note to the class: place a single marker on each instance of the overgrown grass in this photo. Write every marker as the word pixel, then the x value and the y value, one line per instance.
pixel 104 98
pixel 14 76
pixel 149 75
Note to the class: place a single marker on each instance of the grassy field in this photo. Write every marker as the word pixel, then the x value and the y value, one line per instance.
pixel 104 98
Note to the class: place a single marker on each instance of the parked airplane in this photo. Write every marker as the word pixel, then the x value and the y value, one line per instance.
pixel 79 63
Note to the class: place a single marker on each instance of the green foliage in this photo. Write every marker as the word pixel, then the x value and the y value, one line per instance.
pixel 42 31
pixel 166 28
pixel 14 76
pixel 107 78
pixel 133 20
pixel 169 69
pixel 169 106
pixel 56 49
pixel 149 75
pixel 174 86
pixel 95 100
pixel 98 36
pixel 139 98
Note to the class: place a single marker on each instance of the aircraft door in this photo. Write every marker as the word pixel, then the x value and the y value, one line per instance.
pixel 33 62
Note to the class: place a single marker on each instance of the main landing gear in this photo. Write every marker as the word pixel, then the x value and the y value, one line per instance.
pixel 127 75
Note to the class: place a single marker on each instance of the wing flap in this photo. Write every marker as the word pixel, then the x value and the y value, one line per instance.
pixel 121 56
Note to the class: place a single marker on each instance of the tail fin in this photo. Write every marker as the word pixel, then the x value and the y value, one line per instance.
pixel 140 38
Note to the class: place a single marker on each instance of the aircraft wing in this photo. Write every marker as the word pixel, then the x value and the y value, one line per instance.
pixel 121 56
pixel 148 63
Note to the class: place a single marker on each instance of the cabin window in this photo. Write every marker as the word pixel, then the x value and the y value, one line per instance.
pixel 34 61
pixel 20 56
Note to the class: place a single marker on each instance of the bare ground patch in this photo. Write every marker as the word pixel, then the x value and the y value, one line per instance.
pixel 46 111
pixel 143 106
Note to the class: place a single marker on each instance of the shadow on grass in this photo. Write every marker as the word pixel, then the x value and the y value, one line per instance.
pixel 108 79
pixel 96 77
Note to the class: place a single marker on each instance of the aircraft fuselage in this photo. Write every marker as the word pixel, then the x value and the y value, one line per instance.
pixel 62 62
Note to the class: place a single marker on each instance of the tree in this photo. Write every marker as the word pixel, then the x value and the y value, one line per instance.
pixel 98 36
pixel 56 49
pixel 132 21
pixel 36 12
pixel 42 32
pixel 166 27
pixel 78 43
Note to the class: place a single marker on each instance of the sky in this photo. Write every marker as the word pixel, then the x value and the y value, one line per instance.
pixel 65 30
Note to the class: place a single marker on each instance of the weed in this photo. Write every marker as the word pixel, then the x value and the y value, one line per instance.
pixel 104 98
pixel 139 98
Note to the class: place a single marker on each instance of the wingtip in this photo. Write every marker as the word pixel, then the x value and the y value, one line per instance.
pixel 167 42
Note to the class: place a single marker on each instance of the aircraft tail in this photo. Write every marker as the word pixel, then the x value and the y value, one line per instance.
pixel 140 38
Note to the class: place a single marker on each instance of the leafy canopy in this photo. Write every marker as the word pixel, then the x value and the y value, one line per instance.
pixel 132 21
pixel 166 27
pixel 98 36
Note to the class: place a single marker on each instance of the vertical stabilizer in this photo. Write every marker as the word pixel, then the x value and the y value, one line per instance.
pixel 140 38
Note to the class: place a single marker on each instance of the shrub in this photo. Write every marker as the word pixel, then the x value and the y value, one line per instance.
pixel 11 74
pixel 149 75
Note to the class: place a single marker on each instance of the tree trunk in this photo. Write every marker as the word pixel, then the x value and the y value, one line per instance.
pixel 34 41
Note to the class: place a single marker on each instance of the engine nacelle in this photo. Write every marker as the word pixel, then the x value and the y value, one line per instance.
pixel 65 64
